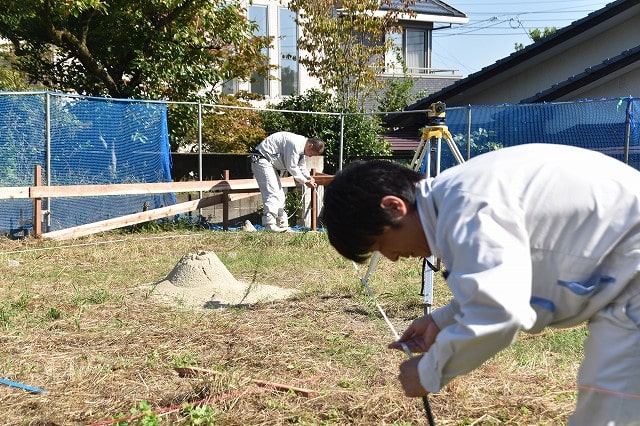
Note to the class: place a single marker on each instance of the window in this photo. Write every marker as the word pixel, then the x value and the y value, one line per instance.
pixel 288 45
pixel 416 50
pixel 230 87
pixel 412 47
pixel 258 14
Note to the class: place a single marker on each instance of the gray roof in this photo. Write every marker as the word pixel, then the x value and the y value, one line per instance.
pixel 589 75
pixel 426 7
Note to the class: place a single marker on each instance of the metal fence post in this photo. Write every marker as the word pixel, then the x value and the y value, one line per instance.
pixel 341 153
pixel 627 130
pixel 225 203
pixel 200 150
pixel 47 138
pixel 37 203
pixel 468 131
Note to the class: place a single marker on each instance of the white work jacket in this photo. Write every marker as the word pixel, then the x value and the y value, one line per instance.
pixel 531 236
pixel 285 151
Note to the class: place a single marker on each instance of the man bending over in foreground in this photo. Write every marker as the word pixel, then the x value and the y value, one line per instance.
pixel 531 236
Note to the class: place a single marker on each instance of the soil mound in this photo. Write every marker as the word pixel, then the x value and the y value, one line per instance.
pixel 202 280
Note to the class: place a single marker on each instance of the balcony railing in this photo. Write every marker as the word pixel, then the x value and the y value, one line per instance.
pixel 417 72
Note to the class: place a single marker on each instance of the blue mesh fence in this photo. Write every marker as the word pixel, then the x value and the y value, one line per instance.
pixel 107 141
pixel 601 125
pixel 22 146
pixel 91 141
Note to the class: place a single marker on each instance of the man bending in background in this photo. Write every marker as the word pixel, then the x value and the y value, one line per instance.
pixel 279 152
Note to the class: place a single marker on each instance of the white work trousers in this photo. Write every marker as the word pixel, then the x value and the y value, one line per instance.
pixel 609 377
pixel 273 198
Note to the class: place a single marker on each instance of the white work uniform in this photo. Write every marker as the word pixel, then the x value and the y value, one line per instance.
pixel 278 152
pixel 533 236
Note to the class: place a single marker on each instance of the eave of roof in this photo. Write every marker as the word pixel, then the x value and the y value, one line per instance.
pixel 589 76
pixel 428 11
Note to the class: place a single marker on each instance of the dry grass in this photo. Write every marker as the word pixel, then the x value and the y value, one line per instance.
pixel 75 322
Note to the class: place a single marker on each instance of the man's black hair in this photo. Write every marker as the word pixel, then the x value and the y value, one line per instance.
pixel 352 213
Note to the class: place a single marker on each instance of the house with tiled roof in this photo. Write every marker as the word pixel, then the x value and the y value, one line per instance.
pixel 290 77
pixel 597 56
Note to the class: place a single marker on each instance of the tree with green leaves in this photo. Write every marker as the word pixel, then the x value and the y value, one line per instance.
pixel 146 49
pixel 343 43
pixel 179 50
pixel 536 35
pixel 231 129
pixel 10 78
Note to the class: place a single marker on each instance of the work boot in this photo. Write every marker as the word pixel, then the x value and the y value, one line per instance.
pixel 283 222
pixel 283 219
pixel 248 226
pixel 270 224
pixel 274 228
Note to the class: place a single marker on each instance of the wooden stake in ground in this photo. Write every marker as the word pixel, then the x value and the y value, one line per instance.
pixel 199 372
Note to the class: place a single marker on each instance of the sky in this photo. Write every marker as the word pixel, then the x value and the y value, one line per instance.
pixel 495 26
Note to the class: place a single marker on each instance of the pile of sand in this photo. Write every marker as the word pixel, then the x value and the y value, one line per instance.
pixel 202 280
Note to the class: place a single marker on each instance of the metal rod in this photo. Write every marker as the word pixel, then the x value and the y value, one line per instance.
pixel 341 151
pixel 200 167
pixel 468 132
pixel 627 131
pixel 47 130
pixel 365 283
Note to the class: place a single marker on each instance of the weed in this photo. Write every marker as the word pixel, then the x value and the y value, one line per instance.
pixel 332 415
pixel 275 405
pixel 6 318
pixel 199 415
pixel 99 296
pixel 21 303
pixel 143 415
pixel 153 358
pixel 185 360
pixel 53 314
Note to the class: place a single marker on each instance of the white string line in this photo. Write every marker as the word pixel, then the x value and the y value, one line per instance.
pixel 364 280
pixel 97 243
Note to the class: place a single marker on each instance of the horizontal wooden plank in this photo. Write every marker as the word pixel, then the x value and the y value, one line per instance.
pixel 14 192
pixel 308 393
pixel 236 185
pixel 322 179
pixel 131 219
pixel 194 372
pixel 242 195
pixel 56 191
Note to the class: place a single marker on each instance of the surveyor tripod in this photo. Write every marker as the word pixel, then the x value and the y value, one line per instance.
pixel 427 160
pixel 431 142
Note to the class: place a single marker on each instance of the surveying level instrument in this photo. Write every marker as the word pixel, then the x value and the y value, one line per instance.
pixel 431 142
pixel 436 114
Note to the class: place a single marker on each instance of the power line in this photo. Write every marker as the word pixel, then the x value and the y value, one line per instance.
pixel 509 18
pixel 506 22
